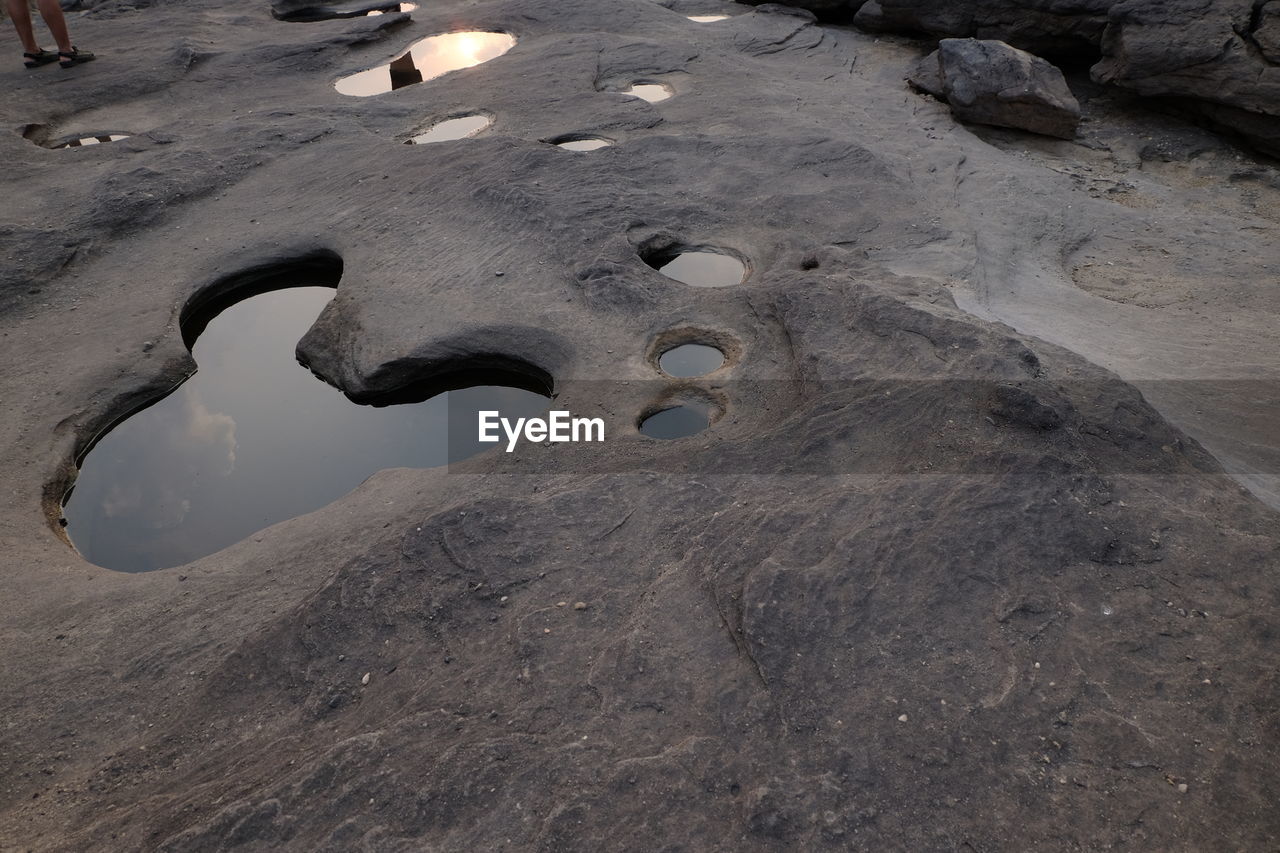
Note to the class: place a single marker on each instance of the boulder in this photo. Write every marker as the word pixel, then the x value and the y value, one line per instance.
pixel 989 82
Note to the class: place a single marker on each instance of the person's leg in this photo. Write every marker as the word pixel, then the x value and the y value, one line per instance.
pixel 21 17
pixel 54 20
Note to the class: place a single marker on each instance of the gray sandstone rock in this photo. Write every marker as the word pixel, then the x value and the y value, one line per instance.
pixel 990 82
pixel 1216 57
pixel 908 507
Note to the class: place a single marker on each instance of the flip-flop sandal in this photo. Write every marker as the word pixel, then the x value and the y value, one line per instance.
pixel 43 57
pixel 74 56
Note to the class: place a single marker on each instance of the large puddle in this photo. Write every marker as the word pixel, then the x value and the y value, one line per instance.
pixel 252 439
pixel 427 59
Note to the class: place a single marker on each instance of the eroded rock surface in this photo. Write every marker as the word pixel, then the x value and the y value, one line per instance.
pixel 1217 58
pixel 990 82
pixel 939 576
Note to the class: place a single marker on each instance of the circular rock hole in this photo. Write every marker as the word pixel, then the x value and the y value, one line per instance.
pixel 689 360
pixel 581 143
pixel 453 128
pixel 702 266
pixel 679 421
pixel 83 141
pixel 649 91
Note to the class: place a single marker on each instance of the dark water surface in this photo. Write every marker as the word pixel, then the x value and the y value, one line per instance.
pixel 252 439
pixel 677 422
pixel 689 360
pixel 427 59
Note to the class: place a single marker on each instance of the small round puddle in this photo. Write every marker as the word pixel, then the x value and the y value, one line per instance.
pixel 708 19
pixel 679 421
pixel 252 439
pixel 700 268
pixel 584 143
pixel 426 60
pixel 651 92
pixel 450 129
pixel 688 360
pixel 91 140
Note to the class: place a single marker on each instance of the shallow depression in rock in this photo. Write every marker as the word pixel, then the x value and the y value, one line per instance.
pixel 651 92
pixel 252 439
pixel 101 139
pixel 450 129
pixel 677 422
pixel 584 143
pixel 700 268
pixel 689 360
pixel 427 59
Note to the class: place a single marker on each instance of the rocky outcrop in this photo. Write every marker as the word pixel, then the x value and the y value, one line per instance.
pixel 989 82
pixel 927 583
pixel 1218 58
pixel 1043 27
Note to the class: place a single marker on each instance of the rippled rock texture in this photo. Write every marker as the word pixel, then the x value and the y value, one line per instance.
pixel 1218 58
pixel 963 561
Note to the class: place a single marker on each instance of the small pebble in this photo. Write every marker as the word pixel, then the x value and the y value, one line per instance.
pixel 902 719
pixel 579 605
pixel 1182 788
pixel 365 680
pixel 561 603
pixel 546 630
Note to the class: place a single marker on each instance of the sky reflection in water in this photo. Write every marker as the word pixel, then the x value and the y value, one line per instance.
pixel 252 439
